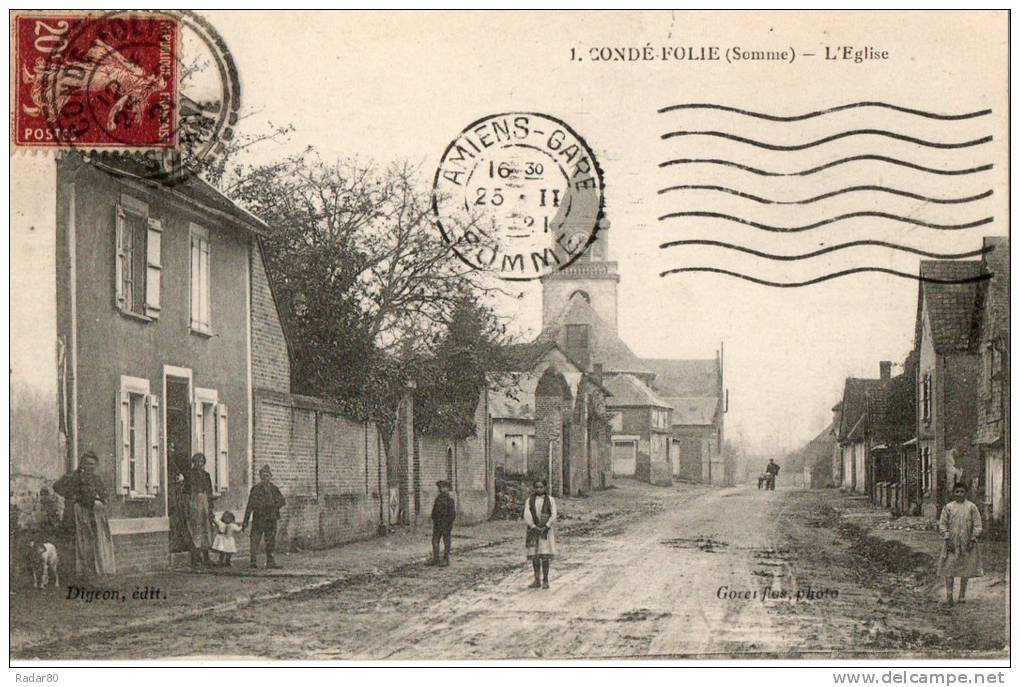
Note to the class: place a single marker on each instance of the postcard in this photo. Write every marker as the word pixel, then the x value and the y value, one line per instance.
pixel 509 336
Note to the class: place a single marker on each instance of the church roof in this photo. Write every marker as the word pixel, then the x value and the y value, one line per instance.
pixel 606 346
pixel 698 410
pixel 628 390
pixel 685 378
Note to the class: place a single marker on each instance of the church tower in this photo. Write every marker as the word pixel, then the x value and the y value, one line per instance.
pixel 592 276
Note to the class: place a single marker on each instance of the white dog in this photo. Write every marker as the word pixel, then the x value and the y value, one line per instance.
pixel 44 560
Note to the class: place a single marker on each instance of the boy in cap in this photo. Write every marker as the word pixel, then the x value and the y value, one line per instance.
pixel 444 512
pixel 264 504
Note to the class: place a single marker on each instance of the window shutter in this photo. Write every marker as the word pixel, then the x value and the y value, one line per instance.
pixel 222 455
pixel 197 443
pixel 206 293
pixel 153 267
pixel 119 258
pixel 195 267
pixel 124 444
pixel 154 439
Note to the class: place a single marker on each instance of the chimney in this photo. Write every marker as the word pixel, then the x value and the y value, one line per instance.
pixel 885 369
pixel 597 372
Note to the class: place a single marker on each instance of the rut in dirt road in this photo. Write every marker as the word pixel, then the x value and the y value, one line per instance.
pixel 692 572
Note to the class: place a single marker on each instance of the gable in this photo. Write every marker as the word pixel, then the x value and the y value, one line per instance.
pixel 607 348
pixel 952 309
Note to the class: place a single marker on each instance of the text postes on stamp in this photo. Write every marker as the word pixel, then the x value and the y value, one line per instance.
pixel 518 194
pixel 85 80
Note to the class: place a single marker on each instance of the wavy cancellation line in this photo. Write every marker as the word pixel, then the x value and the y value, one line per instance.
pixel 828 165
pixel 831 194
pixel 819 113
pixel 826 277
pixel 829 249
pixel 824 222
pixel 829 139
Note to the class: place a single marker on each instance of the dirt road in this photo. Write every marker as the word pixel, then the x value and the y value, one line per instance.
pixel 693 572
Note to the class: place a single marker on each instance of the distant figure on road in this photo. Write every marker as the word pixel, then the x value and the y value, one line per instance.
pixel 761 480
pixel 771 472
pixel 960 527
pixel 539 516
pixel 444 512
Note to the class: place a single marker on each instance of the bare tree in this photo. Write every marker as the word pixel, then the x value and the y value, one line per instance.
pixel 367 283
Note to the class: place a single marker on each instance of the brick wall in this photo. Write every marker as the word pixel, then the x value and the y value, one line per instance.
pixel 139 552
pixel 270 360
pixel 465 463
pixel 328 467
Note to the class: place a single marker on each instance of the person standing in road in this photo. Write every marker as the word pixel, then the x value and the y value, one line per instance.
pixel 540 516
pixel 771 472
pixel 960 527
pixel 444 512
pixel 263 511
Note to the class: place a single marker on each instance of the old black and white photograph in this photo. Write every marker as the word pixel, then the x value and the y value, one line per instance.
pixel 518 338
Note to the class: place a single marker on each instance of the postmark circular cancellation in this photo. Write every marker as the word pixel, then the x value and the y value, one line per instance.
pixel 518 194
pixel 114 82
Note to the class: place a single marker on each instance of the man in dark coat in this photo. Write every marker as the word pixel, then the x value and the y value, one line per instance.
pixel 771 472
pixel 263 511
pixel 444 512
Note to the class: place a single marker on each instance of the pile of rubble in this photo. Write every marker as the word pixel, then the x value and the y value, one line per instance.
pixel 917 523
pixel 511 493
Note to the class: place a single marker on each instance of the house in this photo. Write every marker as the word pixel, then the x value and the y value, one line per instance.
pixel 153 325
pixel 554 422
pixel 813 460
pixel 579 313
pixel 694 390
pixel 947 379
pixel 890 420
pixel 642 430
pixel 854 431
pixel 836 459
pixel 993 381
pixel 161 337
pixel 945 336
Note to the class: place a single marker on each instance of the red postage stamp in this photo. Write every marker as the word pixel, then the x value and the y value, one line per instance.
pixel 95 80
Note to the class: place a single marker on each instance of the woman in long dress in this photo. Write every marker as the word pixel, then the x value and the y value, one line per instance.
pixel 960 527
pixel 198 496
pixel 85 496
pixel 540 543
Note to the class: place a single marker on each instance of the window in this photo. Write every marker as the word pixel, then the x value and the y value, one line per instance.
pixel 138 259
pixel 201 320
pixel 926 468
pixel 138 450
pixel 211 431
pixel 926 398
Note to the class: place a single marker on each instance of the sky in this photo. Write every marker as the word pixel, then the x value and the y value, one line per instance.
pixel 403 85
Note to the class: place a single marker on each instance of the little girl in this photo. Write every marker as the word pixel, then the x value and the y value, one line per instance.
pixel 224 543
